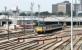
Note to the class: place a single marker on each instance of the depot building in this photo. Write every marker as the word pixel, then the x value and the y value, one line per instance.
pixel 25 20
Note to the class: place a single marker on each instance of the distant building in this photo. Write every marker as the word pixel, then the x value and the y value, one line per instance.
pixel 54 8
pixel 63 7
pixel 81 4
pixel 77 8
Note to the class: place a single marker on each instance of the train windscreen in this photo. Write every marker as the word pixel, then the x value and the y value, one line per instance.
pixel 41 23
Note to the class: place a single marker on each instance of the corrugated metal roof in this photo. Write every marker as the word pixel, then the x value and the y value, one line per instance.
pixel 51 19
pixel 67 19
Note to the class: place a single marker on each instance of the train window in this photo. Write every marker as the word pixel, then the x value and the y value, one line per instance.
pixel 40 23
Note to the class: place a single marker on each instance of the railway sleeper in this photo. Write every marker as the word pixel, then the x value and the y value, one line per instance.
pixel 68 46
pixel 43 45
pixel 16 44
pixel 23 45
pixel 77 46
pixel 8 44
pixel 61 47
pixel 76 41
pixel 44 48
pixel 54 46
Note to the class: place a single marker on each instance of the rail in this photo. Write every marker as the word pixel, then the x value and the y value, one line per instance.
pixel 38 40
pixel 45 36
pixel 79 47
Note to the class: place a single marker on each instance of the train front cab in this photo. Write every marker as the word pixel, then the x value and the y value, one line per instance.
pixel 39 30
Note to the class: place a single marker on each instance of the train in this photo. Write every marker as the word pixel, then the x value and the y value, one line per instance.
pixel 44 27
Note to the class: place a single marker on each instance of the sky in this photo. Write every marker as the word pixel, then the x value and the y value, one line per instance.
pixel 24 5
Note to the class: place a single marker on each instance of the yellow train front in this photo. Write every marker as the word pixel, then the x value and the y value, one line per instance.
pixel 47 26
pixel 39 29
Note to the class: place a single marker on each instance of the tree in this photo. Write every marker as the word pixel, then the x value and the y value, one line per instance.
pixel 36 13
pixel 74 13
pixel 0 13
pixel 46 13
pixel 23 14
pixel 6 13
pixel 29 15
pixel 60 13
pixel 53 13
pixel 68 13
pixel 80 14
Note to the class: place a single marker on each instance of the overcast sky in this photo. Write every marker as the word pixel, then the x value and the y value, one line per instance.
pixel 46 5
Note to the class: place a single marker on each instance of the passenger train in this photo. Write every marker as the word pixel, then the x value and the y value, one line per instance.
pixel 47 26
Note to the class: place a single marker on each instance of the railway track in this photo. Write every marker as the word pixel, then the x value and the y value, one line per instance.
pixel 64 45
pixel 10 45
pixel 67 45
pixel 34 46
pixel 44 45
pixel 78 45
pixel 54 44
pixel 12 35
pixel 53 47
pixel 13 45
pixel 4 37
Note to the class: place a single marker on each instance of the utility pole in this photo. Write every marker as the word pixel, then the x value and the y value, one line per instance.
pixel 7 21
pixel 8 28
pixel 32 5
pixel 5 11
pixel 72 25
pixel 38 13
pixel 24 24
